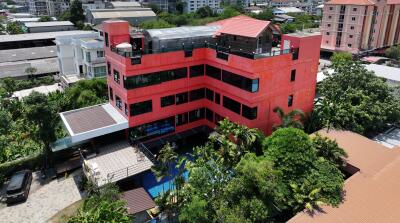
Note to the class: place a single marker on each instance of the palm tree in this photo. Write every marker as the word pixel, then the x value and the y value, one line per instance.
pixel 292 119
pixel 165 163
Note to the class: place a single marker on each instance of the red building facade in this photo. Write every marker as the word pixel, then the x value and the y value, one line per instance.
pixel 168 90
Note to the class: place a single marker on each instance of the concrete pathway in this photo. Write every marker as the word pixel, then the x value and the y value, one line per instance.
pixel 44 201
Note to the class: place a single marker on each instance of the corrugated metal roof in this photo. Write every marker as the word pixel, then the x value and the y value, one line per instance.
pixel 46 24
pixel 28 53
pixel 37 36
pixel 120 4
pixel 122 13
pixel 137 200
pixel 242 26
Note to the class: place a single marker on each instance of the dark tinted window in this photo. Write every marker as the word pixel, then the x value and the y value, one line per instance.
pixel 239 81
pixel 249 113
pixel 116 76
pixel 217 118
pixel 196 115
pixel 181 98
pixel 126 109
pixel 290 101
pixel 153 129
pixel 231 104
pixel 167 100
pixel 293 75
pixel 209 115
pixel 217 98
pixel 111 94
pixel 118 102
pixel 209 94
pixel 141 107
pixel 197 94
pixel 181 119
pixel 106 39
pixel 108 68
pixel 149 79
pixel 197 70
pixel 213 72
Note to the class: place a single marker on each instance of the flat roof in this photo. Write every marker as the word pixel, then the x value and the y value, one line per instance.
pixel 115 162
pixel 390 138
pixel 122 13
pixel 372 194
pixel 47 24
pixel 44 89
pixel 241 25
pixel 17 68
pixel 28 53
pixel 39 36
pixel 182 32
pixel 137 200
pixel 390 73
pixel 93 121
pixel 121 4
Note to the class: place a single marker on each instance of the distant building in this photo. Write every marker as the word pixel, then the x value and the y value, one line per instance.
pixel 92 4
pixel 360 25
pixel 134 16
pixel 163 5
pixel 122 5
pixel 283 18
pixel 286 10
pixel 40 27
pixel 319 9
pixel 48 7
pixel 80 56
pixel 283 3
pixel 194 5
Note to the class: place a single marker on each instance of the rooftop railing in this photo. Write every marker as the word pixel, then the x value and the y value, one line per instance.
pixel 222 52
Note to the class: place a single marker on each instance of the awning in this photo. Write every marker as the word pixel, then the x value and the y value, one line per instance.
pixel 87 123
pixel 117 161
pixel 137 200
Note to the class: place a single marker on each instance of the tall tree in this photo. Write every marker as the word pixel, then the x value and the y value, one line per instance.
pixel 76 12
pixel 355 99
pixel 41 113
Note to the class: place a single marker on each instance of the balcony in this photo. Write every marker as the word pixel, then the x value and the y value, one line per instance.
pixel 222 52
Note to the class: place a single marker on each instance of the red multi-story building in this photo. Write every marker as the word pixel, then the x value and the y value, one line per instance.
pixel 170 80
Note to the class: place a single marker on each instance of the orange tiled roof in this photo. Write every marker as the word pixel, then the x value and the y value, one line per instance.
pixel 350 2
pixel 241 25
pixel 372 194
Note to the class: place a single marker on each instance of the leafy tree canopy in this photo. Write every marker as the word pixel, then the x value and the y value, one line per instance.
pixel 14 28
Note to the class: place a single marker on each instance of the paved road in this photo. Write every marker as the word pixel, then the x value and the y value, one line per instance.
pixel 45 200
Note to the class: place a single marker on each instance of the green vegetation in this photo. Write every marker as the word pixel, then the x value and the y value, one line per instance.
pixel 354 99
pixel 292 119
pixel 75 15
pixel 301 22
pixel 9 85
pixel 14 28
pixel 28 126
pixel 102 205
pixel 393 52
pixel 44 19
pixel 240 175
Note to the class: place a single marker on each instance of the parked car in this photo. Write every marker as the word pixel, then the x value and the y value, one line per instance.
pixel 18 187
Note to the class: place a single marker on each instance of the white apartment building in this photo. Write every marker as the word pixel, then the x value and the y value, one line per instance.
pixel 48 7
pixel 194 5
pixel 80 57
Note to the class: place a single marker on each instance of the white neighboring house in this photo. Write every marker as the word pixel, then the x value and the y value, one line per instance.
pixel 80 57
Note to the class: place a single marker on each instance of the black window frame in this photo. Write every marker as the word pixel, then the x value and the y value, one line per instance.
pixel 167 100
pixel 151 79
pixel 111 93
pixel 118 102
pixel 209 94
pixel 249 112
pixel 231 104
pixel 117 77
pixel 209 115
pixel 290 100
pixel 213 72
pixel 193 72
pixel 240 81
pixel 185 98
pixel 197 94
pixel 182 119
pixel 196 115
pixel 108 68
pixel 217 98
pixel 141 108
pixel 293 75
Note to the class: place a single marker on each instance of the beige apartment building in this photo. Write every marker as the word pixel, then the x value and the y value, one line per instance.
pixel 359 25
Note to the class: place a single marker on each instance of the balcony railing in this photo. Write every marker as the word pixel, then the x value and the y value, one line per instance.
pixel 222 52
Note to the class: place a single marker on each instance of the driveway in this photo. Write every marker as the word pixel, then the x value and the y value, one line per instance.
pixel 44 201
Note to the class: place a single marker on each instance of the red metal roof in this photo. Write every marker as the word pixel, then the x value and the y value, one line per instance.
pixel 137 200
pixel 241 25
pixel 350 2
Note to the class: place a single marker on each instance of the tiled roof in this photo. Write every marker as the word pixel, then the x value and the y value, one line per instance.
pixel 350 2
pixel 241 26
pixel 372 194
pixel 137 200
